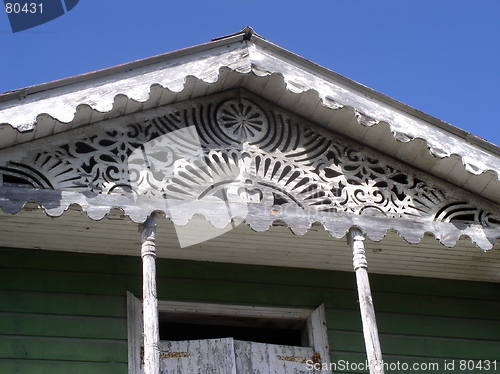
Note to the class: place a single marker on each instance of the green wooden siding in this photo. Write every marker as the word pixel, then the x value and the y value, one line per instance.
pixel 66 312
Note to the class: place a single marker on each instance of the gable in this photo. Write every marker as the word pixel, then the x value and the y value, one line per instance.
pixel 247 60
pixel 236 149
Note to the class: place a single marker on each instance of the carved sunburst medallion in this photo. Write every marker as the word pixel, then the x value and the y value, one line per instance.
pixel 242 120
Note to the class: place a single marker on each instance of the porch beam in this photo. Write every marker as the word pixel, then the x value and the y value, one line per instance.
pixel 149 298
pixel 370 331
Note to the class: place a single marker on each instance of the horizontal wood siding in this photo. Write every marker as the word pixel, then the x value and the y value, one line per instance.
pixel 66 312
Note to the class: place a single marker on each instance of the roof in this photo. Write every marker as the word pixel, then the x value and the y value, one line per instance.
pixel 247 59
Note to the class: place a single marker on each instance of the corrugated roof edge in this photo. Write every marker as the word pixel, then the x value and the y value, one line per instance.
pixel 249 34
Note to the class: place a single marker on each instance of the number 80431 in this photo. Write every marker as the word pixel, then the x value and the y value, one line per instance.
pixel 24 8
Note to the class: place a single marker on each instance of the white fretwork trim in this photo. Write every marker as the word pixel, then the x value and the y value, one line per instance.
pixel 237 150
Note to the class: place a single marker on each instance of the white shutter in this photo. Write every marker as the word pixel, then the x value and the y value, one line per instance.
pixel 213 356
pixel 135 336
pixel 260 358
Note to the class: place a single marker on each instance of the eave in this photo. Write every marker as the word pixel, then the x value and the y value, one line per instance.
pixel 117 235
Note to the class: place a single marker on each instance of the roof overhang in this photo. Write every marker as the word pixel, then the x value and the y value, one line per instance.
pixel 234 155
pixel 117 235
pixel 51 115
pixel 463 170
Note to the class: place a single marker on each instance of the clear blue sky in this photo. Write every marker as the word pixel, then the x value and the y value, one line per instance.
pixel 440 56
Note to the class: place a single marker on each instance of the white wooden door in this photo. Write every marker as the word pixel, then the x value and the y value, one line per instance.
pixel 209 356
pixel 260 358
pixel 228 356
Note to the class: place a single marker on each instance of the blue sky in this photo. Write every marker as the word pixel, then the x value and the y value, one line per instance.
pixel 441 56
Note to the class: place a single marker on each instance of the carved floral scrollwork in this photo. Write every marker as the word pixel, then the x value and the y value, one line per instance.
pixel 239 149
pixel 242 120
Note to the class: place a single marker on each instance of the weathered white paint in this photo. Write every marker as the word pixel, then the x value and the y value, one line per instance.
pixel 228 356
pixel 405 199
pixel 214 356
pixel 260 358
pixel 318 336
pixel 370 331
pixel 134 334
pixel 150 302
pixel 209 63
pixel 259 216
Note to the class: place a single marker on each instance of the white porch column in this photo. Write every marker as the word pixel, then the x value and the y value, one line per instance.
pixel 149 299
pixel 370 331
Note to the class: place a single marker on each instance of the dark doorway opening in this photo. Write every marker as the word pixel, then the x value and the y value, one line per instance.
pixel 262 330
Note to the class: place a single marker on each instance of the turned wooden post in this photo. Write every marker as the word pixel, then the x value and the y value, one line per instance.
pixel 149 299
pixel 370 331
